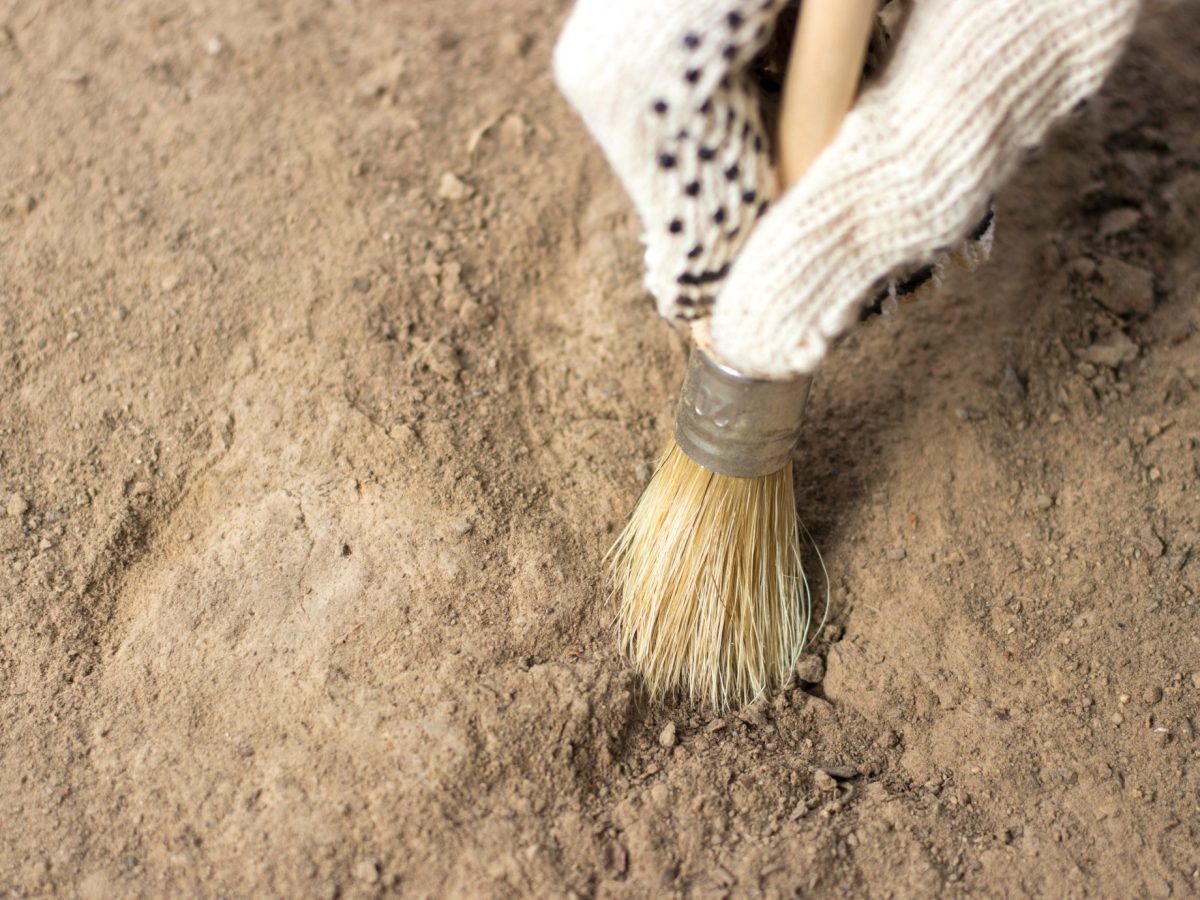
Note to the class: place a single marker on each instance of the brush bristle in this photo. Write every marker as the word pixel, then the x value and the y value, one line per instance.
pixel 712 600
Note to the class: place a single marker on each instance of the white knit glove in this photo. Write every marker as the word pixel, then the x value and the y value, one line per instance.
pixel 665 89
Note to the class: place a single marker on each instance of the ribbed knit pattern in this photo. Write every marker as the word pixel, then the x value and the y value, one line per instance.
pixel 972 84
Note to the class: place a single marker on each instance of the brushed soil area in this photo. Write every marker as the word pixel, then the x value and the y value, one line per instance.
pixel 326 379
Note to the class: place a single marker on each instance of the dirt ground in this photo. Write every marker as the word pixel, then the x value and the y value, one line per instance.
pixel 326 379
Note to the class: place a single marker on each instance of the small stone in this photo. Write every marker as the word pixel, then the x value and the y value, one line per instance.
pixel 823 781
pixel 1162 737
pixel 360 284
pixel 1082 266
pixel 451 276
pixel 1151 695
pixel 896 554
pixel 453 188
pixel 1117 718
pixel 1196 680
pixel 810 669
pixel 17 506
pixel 1118 220
pixel 1111 351
pixel 367 870
pixel 1087 370
pixel 512 130
pixel 1044 501
pixel 475 315
pixel 1151 542
pixel 73 336
pixel 1123 699
pixel 1012 385
pixel 214 45
pixel 514 44
pixel 667 736
pixel 169 283
pixel 755 715
pixel 1126 289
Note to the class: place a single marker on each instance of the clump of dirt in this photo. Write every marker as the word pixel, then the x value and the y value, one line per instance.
pixel 326 380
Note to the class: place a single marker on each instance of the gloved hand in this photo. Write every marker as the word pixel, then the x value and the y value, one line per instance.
pixel 667 89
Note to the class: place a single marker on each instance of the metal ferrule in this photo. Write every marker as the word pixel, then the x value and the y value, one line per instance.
pixel 738 426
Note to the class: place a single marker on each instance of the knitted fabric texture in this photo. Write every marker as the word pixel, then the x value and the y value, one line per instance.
pixel 965 94
pixel 969 88
pixel 664 89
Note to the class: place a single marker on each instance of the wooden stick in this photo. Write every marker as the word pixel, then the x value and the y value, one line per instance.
pixel 822 78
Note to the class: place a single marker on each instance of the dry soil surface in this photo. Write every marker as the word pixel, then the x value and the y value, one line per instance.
pixel 325 380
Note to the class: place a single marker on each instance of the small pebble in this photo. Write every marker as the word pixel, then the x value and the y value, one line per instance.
pixel 1044 501
pixel 1082 266
pixel 823 781
pixel 360 284
pixel 1012 385
pixel 169 282
pixel 1127 289
pixel 512 130
pixel 1196 680
pixel 1111 351
pixel 667 736
pixel 214 45
pixel 1116 221
pixel 810 669
pixel 1123 699
pixel 367 870
pixel 1151 542
pixel 1117 718
pixel 896 554
pixel 453 188
pixel 17 506
pixel 1152 695
pixel 755 715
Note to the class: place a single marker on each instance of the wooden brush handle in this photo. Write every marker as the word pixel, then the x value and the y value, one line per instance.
pixel 822 78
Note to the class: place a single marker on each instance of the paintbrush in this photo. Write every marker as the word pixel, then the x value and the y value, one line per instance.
pixel 708 578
